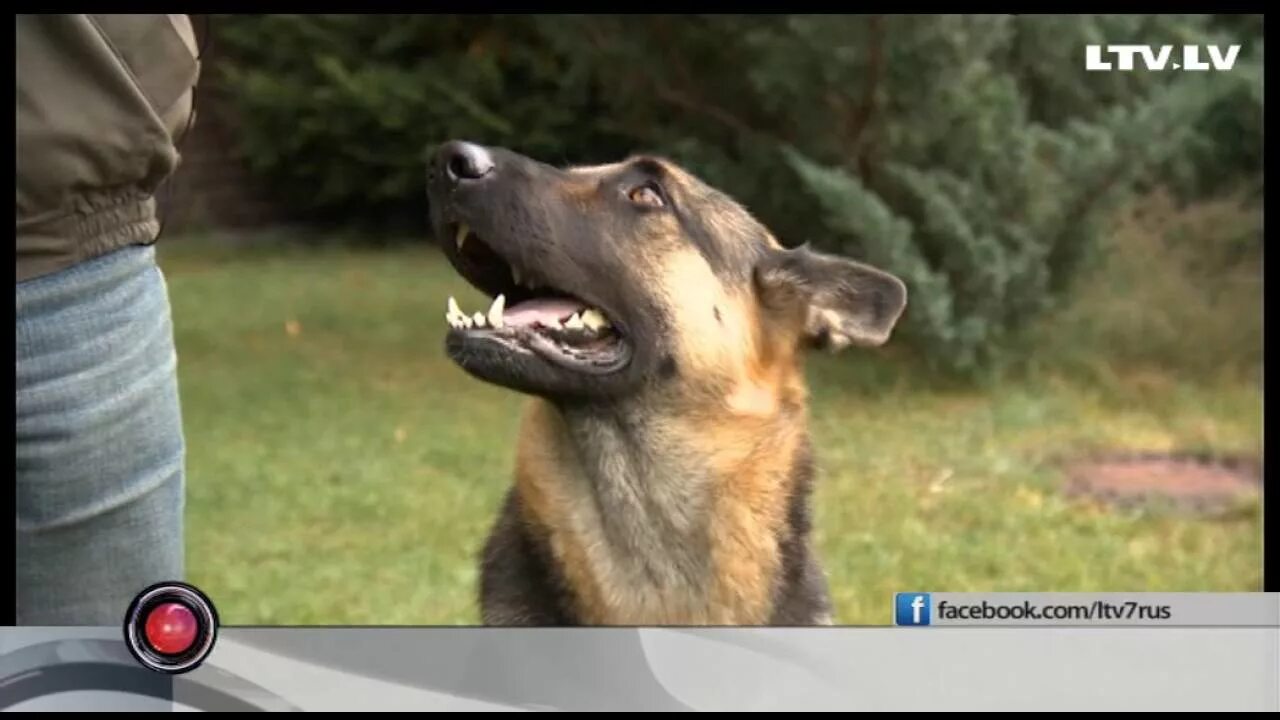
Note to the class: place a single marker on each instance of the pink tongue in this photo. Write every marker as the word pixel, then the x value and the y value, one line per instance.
pixel 546 311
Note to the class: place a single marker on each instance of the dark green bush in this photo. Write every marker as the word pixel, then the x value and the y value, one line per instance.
pixel 972 155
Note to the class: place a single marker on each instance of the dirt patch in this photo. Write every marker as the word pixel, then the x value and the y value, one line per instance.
pixel 1187 482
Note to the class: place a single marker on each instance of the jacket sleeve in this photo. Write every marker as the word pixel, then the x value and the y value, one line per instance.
pixel 102 101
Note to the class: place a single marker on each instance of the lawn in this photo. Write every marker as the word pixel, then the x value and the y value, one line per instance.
pixel 343 471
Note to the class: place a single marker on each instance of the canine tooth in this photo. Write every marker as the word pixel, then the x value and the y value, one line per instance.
pixel 495 311
pixel 463 231
pixel 479 319
pixel 515 274
pixel 454 310
pixel 574 323
pixel 594 319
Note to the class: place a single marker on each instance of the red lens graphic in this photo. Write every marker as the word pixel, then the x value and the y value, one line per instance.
pixel 171 628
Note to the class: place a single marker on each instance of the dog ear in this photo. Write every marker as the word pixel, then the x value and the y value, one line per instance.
pixel 840 302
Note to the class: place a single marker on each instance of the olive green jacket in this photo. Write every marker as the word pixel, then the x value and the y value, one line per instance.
pixel 103 101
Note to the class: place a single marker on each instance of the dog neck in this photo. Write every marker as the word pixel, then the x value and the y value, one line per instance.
pixel 663 517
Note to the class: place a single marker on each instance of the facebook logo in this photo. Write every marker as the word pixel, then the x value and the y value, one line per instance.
pixel 912 609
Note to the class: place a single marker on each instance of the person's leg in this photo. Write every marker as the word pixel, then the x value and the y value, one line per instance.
pixel 100 448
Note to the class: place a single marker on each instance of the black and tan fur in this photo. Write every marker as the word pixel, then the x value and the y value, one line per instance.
pixel 677 491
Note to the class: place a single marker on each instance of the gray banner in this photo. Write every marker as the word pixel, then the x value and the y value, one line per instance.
pixel 362 669
pixel 1088 609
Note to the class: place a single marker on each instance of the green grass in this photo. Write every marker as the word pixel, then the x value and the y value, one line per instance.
pixel 342 471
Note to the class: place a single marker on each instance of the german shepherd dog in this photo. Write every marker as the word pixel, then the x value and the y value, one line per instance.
pixel 663 466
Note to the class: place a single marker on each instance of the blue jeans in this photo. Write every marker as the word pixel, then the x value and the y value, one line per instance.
pixel 100 448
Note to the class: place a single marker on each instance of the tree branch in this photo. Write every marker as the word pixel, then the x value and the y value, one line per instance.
pixel 875 70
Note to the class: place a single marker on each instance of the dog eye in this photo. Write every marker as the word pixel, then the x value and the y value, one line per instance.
pixel 646 195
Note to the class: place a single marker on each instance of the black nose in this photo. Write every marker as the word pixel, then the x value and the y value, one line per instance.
pixel 462 161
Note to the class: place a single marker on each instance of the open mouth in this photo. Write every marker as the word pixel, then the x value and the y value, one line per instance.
pixel 530 315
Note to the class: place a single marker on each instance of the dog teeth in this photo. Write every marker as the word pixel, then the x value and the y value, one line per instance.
pixel 515 274
pixel 463 231
pixel 458 319
pixel 591 319
pixel 454 316
pixel 495 311
pixel 594 319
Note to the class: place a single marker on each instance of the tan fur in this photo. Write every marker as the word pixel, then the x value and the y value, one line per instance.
pixel 753 446
pixel 706 347
pixel 748 433
pixel 752 457
pixel 551 504
pixel 747 518
pixel 596 169
pixel 606 586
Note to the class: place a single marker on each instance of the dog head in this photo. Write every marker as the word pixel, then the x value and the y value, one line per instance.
pixel 629 278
